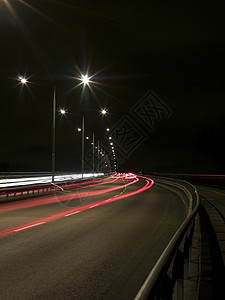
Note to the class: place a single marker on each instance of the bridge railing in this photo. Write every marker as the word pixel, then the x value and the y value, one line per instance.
pixel 31 189
pixel 173 264
pixel 202 179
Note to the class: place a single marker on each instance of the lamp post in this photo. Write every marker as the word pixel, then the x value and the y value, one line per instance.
pixel 82 150
pixel 24 81
pixel 93 152
pixel 98 149
pixel 84 80
pixel 53 134
pixel 62 112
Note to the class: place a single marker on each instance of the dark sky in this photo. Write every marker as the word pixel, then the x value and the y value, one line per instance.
pixel 173 50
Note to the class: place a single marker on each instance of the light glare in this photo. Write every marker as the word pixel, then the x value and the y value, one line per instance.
pixel 62 111
pixel 23 80
pixel 85 79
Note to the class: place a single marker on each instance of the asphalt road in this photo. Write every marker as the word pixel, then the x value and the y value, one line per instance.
pixel 101 252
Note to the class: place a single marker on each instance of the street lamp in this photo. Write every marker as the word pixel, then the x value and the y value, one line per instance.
pixel 23 80
pixel 62 111
pixel 85 79
pixel 103 111
pixel 93 152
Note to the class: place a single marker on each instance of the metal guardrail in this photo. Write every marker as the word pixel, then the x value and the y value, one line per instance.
pixel 159 284
pixel 31 188
pixel 36 189
pixel 202 179
pixel 8 193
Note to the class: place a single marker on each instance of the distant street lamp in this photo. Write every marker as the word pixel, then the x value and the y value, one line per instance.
pixel 103 112
pixel 93 152
pixel 98 157
pixel 23 80
pixel 62 111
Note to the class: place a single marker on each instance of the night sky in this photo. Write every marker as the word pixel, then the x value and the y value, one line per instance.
pixel 171 52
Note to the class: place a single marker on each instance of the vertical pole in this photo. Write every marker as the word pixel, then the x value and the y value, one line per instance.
pixel 101 158
pixel 53 134
pixel 98 156
pixel 93 153
pixel 82 155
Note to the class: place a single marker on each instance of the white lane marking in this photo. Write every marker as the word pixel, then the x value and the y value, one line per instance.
pixel 26 227
pixel 94 205
pixel 76 212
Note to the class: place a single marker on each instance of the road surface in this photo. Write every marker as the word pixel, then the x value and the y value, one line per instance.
pixel 95 242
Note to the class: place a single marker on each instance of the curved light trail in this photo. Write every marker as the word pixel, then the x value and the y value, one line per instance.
pixel 62 198
pixel 7 183
pixel 149 183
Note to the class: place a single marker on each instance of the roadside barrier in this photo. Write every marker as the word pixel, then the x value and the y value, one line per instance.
pixel 173 265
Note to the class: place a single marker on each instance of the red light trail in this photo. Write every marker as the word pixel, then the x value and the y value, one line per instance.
pixel 149 183
pixel 58 198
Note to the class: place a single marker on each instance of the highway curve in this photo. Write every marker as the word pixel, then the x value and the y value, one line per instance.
pixel 99 242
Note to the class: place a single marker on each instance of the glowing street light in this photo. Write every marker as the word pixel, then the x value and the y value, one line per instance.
pixel 85 79
pixel 62 111
pixel 103 112
pixel 23 80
